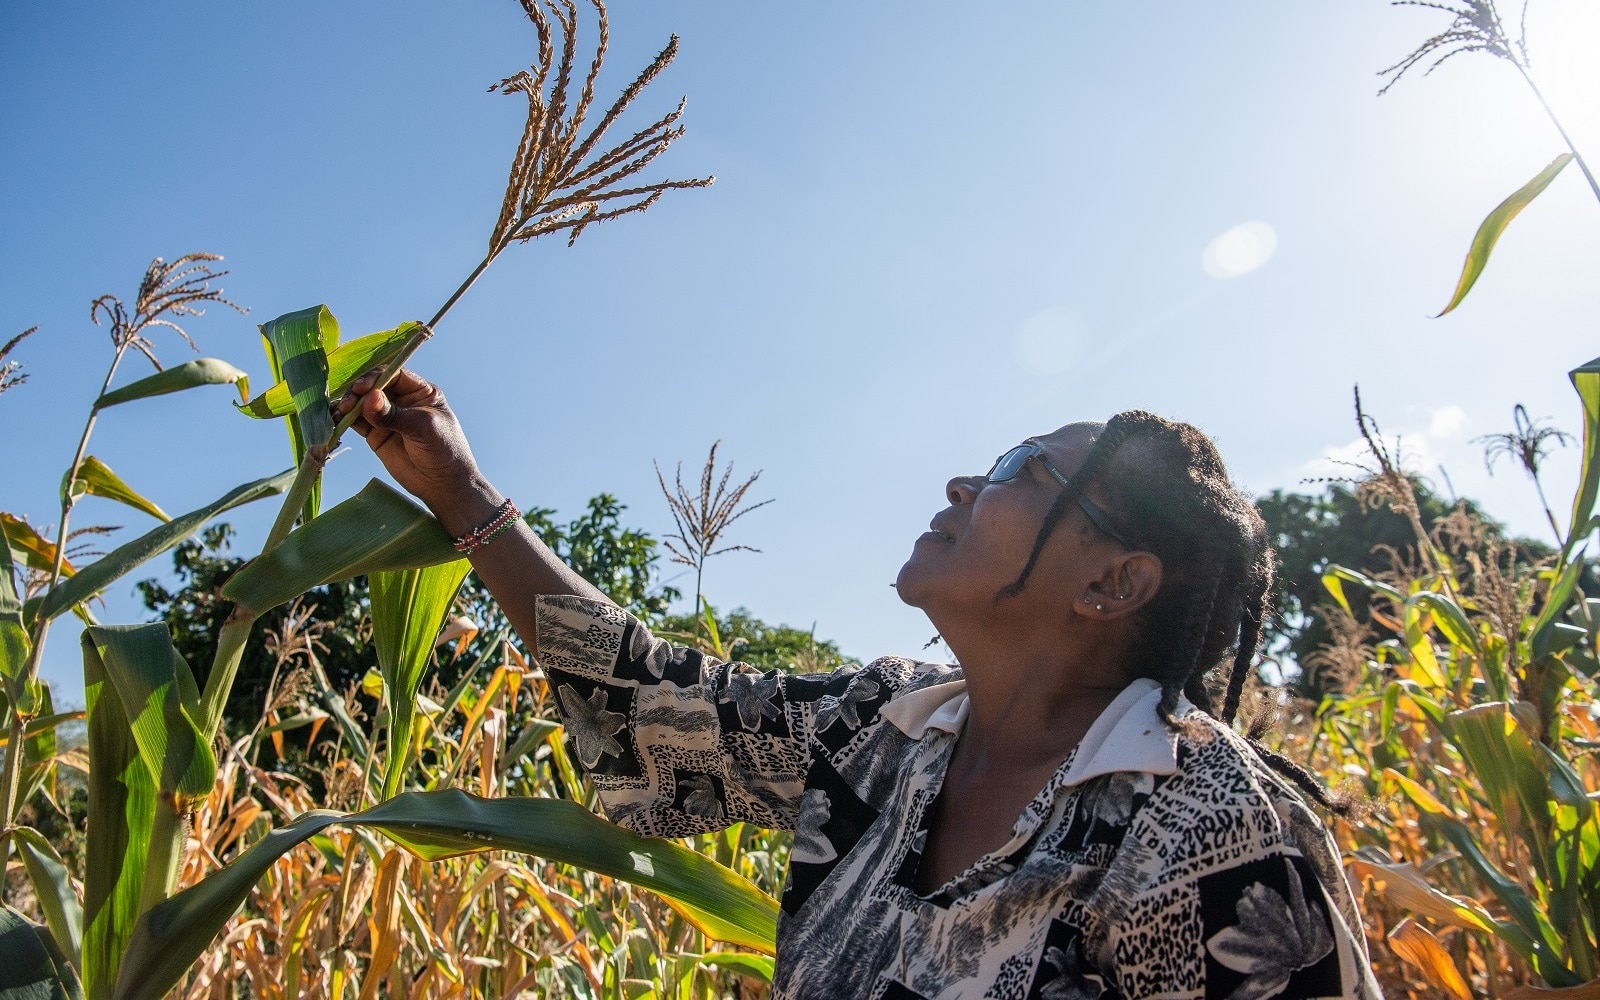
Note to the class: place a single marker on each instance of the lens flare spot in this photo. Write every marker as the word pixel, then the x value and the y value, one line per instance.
pixel 1239 250
pixel 1049 341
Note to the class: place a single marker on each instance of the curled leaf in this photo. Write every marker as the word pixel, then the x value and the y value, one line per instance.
pixel 1495 223
pixel 96 479
pixel 204 371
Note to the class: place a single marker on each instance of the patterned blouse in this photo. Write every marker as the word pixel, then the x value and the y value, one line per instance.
pixel 1151 865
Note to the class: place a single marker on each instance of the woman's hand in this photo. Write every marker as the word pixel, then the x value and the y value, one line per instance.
pixel 411 429
pixel 421 444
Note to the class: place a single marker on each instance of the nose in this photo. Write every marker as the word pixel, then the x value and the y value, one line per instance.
pixel 962 489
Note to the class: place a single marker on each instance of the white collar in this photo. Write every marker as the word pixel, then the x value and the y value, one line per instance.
pixel 1128 735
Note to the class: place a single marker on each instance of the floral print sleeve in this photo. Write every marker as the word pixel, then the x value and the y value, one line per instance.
pixel 679 743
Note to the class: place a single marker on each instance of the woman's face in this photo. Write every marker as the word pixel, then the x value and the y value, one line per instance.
pixel 981 541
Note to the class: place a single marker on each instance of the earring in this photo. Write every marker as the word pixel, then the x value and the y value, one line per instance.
pixel 1099 607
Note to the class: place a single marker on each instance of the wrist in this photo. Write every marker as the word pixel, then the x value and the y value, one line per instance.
pixel 465 505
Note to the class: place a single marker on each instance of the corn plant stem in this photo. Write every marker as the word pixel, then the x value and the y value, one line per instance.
pixel 1582 163
pixel 472 279
pixel 701 605
pixel 12 786
pixel 398 750
pixel 11 777
pixel 1537 485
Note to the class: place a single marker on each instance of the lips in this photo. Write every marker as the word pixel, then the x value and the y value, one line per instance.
pixel 942 533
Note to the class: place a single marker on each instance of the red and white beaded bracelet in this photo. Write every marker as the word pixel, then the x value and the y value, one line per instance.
pixel 487 532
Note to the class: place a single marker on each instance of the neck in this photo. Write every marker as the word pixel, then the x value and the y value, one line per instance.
pixel 1033 695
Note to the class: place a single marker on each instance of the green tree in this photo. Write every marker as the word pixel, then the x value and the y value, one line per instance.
pixel 1339 526
pixel 620 561
pixel 195 612
pixel 750 640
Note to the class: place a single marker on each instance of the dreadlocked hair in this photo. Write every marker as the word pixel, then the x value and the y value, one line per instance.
pixel 1170 494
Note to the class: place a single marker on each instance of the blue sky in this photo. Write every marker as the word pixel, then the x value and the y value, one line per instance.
pixel 936 229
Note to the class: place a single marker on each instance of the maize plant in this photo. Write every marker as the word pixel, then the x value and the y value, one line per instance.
pixel 1473 731
pixel 155 762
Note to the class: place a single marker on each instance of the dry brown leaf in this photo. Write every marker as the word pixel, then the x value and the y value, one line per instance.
pixel 1417 945
pixel 1405 886
pixel 384 924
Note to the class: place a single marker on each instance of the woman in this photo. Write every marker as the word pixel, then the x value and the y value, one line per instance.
pixel 1054 818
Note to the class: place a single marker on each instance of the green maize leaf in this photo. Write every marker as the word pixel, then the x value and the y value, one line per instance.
pixel 204 371
pixel 374 531
pixel 1586 380
pixel 1565 785
pixel 52 886
pixel 1420 645
pixel 158 692
pixel 1334 586
pixel 453 696
pixel 122 807
pixel 1496 222
pixel 1346 574
pixel 15 645
pixel 710 618
pixel 1448 616
pixel 38 552
pixel 408 609
pixel 42 723
pixel 334 704
pixel 298 345
pixel 744 963
pixel 1530 934
pixel 450 823
pixel 1572 852
pixel 1542 634
pixel 1560 638
pixel 96 479
pixel 301 342
pixel 345 364
pixel 1493 664
pixel 532 735
pixel 1498 742
pixel 124 558
pixel 297 445
pixel 1391 702
pixel 39 749
pixel 31 966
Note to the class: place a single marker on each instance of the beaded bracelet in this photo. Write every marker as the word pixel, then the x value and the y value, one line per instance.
pixel 487 532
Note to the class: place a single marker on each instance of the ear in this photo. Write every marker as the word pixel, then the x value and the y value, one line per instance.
pixel 1127 584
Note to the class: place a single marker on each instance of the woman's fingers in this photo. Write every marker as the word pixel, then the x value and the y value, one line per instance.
pixel 409 389
pixel 412 414
pixel 406 389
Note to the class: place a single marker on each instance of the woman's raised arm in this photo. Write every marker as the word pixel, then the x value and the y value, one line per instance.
pixel 410 427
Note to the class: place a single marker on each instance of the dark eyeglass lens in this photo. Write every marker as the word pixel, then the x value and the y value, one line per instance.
pixel 1008 465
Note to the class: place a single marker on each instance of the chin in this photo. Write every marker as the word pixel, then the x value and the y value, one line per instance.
pixel 911 585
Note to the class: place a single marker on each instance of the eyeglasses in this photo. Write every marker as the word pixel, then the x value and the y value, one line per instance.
pixel 1008 465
